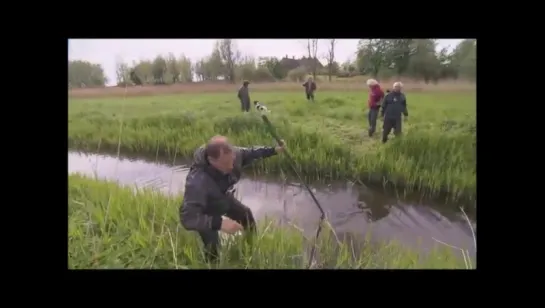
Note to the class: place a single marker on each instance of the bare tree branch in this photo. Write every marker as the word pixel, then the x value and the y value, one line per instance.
pixel 312 49
pixel 330 58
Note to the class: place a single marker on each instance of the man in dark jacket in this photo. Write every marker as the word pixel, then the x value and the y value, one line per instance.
pixel 310 87
pixel 375 97
pixel 394 104
pixel 208 191
pixel 244 96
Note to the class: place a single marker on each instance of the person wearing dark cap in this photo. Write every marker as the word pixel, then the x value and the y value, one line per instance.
pixel 244 96
pixel 208 197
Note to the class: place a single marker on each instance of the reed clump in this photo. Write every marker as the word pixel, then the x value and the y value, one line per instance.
pixel 117 227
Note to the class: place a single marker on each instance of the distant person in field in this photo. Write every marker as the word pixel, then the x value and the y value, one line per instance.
pixel 394 105
pixel 375 97
pixel 244 96
pixel 209 189
pixel 310 87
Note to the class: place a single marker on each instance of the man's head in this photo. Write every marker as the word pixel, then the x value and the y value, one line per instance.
pixel 220 154
pixel 372 83
pixel 398 86
pixel 309 78
pixel 245 83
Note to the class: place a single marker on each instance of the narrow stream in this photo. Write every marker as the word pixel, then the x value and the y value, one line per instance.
pixel 351 209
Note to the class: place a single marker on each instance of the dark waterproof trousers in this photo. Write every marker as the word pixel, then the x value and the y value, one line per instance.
pixel 237 212
pixel 245 105
pixel 372 118
pixel 389 124
pixel 310 96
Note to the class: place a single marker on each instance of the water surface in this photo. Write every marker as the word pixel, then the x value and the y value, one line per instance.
pixel 351 209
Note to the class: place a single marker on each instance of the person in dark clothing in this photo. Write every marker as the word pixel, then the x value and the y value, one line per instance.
pixel 395 104
pixel 375 97
pixel 244 96
pixel 209 192
pixel 310 87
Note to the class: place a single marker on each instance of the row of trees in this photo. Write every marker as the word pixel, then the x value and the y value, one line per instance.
pixel 85 74
pixel 416 58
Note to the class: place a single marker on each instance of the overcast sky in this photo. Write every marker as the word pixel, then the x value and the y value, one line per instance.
pixel 107 51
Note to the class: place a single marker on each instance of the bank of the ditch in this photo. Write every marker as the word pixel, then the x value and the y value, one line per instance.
pixel 114 227
pixel 437 153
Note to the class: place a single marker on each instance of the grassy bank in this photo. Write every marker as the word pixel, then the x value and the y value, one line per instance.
pixel 328 140
pixel 114 227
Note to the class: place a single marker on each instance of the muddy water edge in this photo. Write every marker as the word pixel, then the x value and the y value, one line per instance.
pixel 352 209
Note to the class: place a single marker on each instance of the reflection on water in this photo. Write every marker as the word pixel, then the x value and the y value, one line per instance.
pixel 351 209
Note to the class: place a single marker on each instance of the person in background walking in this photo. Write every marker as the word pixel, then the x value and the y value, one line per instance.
pixel 375 97
pixel 395 104
pixel 244 96
pixel 310 87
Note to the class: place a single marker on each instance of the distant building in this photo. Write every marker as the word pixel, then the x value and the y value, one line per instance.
pixel 304 61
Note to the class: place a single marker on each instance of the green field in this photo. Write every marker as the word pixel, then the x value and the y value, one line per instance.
pixel 328 140
pixel 112 227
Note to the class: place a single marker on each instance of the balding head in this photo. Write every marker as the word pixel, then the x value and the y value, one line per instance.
pixel 216 146
pixel 220 153
pixel 218 139
pixel 398 86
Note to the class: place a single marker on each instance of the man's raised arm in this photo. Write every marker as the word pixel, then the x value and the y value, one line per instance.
pixel 254 153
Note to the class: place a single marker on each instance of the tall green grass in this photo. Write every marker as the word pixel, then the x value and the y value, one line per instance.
pixel 328 139
pixel 115 227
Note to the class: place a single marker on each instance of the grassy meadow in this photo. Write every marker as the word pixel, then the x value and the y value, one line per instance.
pixel 327 139
pixel 114 227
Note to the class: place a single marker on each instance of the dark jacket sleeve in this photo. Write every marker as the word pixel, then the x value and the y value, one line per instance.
pixel 250 154
pixel 385 103
pixel 405 111
pixel 239 94
pixel 192 214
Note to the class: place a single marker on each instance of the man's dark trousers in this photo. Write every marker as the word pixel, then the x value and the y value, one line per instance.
pixel 245 106
pixel 310 96
pixel 389 124
pixel 237 212
pixel 372 118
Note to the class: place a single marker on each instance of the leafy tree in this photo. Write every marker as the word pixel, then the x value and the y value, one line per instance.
pixel 85 74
